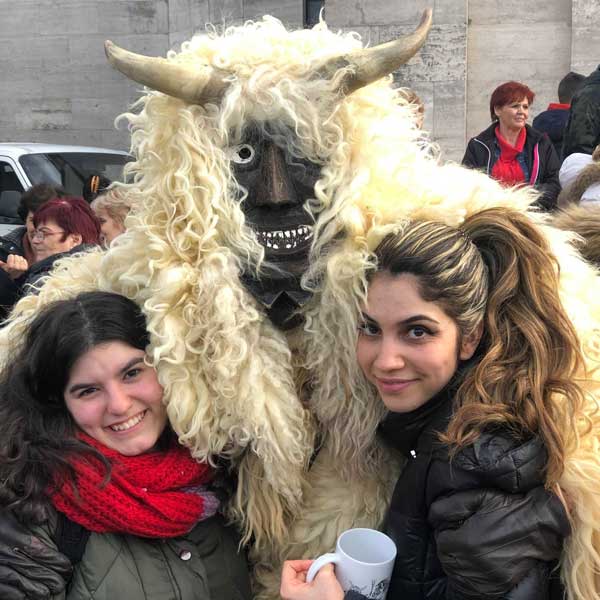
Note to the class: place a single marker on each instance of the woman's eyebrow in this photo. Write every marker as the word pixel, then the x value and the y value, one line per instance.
pixel 79 386
pixel 124 369
pixel 406 321
pixel 131 363
pixel 419 318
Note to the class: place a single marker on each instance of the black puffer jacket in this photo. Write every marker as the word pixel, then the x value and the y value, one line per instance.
pixel 552 122
pixel 481 526
pixel 540 159
pixel 582 133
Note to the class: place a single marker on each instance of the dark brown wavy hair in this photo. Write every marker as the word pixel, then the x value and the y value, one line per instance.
pixel 498 269
pixel 37 433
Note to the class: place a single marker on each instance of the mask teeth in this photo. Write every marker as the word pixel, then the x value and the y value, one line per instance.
pixel 285 238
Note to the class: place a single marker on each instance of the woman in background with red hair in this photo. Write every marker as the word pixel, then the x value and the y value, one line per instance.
pixel 63 226
pixel 511 151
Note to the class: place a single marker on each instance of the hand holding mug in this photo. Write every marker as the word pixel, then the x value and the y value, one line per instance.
pixel 363 559
pixel 295 587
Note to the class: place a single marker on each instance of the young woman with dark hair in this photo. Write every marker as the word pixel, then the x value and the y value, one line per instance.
pixel 465 340
pixel 511 151
pixel 62 226
pixel 85 444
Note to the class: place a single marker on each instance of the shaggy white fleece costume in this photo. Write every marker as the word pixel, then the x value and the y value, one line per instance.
pixel 227 372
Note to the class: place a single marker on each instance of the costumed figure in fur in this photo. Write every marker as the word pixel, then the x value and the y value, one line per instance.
pixel 580 215
pixel 584 220
pixel 254 147
pixel 242 141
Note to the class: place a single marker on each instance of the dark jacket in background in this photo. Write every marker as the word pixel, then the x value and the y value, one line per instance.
pixel 582 133
pixel 15 237
pixel 479 526
pixel 552 122
pixel 539 161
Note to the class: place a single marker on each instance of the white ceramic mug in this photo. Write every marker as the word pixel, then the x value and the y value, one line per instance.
pixel 363 559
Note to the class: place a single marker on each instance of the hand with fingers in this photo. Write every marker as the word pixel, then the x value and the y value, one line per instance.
pixel 294 586
pixel 14 266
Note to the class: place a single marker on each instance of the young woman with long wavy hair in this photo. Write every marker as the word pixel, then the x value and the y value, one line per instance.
pixel 465 340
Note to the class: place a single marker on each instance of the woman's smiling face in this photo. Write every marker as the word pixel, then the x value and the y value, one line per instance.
pixel 407 347
pixel 513 115
pixel 116 398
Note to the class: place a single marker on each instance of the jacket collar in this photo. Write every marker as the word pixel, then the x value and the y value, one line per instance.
pixel 406 431
pixel 487 135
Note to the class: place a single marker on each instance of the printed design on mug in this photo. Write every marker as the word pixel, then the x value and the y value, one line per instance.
pixel 377 592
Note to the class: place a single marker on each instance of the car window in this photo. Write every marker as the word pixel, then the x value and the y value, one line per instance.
pixel 10 193
pixel 71 169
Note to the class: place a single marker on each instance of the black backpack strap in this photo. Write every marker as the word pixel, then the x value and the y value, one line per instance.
pixel 71 538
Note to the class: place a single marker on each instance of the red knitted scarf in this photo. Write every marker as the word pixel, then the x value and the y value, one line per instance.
pixel 156 494
pixel 507 169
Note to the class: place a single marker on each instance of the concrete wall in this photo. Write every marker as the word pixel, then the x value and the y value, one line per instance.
pixel 189 16
pixel 585 39
pixel 437 73
pixel 508 40
pixel 58 87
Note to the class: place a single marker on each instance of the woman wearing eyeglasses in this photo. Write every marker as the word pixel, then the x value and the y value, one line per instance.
pixel 63 226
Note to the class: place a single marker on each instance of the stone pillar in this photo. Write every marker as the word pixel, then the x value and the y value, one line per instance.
pixel 585 46
pixel 437 73
pixel 191 16
pixel 57 84
pixel 509 40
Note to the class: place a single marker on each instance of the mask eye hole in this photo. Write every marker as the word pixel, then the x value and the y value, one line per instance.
pixel 242 154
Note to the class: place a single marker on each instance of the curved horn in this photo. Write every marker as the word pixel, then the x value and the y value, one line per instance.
pixel 197 85
pixel 370 64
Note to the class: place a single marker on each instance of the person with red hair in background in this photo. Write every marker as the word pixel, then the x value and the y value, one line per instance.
pixel 511 151
pixel 63 226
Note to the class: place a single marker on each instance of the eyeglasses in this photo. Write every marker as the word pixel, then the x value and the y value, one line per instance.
pixel 42 235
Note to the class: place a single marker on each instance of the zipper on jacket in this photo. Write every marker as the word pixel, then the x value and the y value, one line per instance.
pixel 535 171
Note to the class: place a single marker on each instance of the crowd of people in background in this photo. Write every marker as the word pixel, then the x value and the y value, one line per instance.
pixel 558 155
pixel 555 153
pixel 57 225
pixel 513 152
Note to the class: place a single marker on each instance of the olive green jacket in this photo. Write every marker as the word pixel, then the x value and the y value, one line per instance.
pixel 202 565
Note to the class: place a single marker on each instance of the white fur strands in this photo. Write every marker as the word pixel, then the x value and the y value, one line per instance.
pixel 347 405
pixel 227 372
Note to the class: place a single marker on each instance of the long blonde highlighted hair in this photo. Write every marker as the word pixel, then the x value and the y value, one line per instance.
pixel 497 270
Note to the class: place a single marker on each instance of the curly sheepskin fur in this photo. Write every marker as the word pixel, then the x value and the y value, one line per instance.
pixel 584 220
pixel 588 176
pixel 227 372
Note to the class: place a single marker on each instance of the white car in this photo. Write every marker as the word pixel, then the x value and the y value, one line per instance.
pixel 25 164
